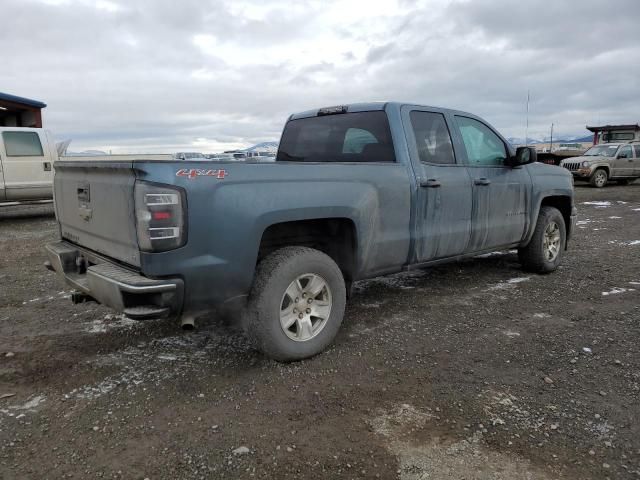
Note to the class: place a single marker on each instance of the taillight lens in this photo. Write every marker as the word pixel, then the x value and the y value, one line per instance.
pixel 160 217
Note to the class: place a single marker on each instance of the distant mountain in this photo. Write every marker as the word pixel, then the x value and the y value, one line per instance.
pixel 263 147
pixel 565 139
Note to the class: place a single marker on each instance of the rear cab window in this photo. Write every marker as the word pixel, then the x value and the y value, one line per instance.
pixel 433 141
pixel 22 144
pixel 344 137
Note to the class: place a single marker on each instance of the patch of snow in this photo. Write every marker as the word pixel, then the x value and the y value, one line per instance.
pixel 583 222
pixel 613 217
pixel 541 315
pixel 636 209
pixel 112 322
pixel 169 358
pixel 509 283
pixel 511 334
pixel 616 290
pixel 30 406
pixel 634 283
pixel 601 204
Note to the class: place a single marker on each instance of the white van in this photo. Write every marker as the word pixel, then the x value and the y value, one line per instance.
pixel 26 164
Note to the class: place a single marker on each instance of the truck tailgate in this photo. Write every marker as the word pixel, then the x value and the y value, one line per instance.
pixel 95 207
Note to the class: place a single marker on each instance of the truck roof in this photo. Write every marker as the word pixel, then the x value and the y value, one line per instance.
pixel 370 106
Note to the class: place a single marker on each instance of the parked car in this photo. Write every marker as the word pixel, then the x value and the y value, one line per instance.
pixel 356 191
pixel 607 161
pixel 191 156
pixel 26 164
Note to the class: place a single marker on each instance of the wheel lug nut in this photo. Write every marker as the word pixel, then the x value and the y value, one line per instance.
pixel 297 299
pixel 295 310
pixel 304 295
pixel 300 316
pixel 308 310
pixel 310 300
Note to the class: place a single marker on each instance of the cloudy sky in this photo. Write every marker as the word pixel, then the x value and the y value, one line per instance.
pixel 165 75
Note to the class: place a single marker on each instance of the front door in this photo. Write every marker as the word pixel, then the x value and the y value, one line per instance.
pixel 442 223
pixel 636 161
pixel 623 164
pixel 500 192
pixel 27 168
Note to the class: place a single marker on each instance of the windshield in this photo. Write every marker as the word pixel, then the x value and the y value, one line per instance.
pixel 602 151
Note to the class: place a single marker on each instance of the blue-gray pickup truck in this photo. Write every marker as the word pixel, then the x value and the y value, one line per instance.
pixel 356 191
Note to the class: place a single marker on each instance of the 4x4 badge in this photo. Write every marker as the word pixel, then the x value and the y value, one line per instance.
pixel 192 173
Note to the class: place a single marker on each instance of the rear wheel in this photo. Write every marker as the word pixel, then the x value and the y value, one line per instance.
pixel 544 252
pixel 599 178
pixel 296 304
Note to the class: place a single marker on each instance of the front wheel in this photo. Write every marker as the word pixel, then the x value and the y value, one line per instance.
pixel 544 252
pixel 296 304
pixel 599 178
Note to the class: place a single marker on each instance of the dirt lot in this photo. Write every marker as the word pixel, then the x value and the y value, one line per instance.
pixel 474 370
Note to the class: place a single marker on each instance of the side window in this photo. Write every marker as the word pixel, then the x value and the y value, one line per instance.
pixel 22 144
pixel 625 152
pixel 432 137
pixel 637 149
pixel 483 146
pixel 355 139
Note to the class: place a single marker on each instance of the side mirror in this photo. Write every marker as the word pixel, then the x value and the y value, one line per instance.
pixel 523 156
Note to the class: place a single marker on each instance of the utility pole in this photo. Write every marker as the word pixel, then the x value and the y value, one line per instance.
pixel 526 131
pixel 551 141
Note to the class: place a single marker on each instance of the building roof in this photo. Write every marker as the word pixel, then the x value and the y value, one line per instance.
pixel 608 128
pixel 26 101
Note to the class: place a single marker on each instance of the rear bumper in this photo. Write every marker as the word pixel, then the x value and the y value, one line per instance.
pixel 108 283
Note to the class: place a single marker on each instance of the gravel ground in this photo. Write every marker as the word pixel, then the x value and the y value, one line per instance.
pixel 474 370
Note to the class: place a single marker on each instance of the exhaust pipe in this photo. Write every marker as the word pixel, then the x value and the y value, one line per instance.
pixel 188 323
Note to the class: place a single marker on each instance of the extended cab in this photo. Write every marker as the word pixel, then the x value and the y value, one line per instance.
pixel 355 192
pixel 27 156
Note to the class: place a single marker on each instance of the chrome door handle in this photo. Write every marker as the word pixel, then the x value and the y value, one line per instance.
pixel 430 183
pixel 482 181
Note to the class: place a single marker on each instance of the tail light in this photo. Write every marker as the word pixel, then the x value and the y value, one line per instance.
pixel 160 217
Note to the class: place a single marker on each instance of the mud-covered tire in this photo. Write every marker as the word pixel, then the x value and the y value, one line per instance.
pixel 599 178
pixel 535 257
pixel 274 277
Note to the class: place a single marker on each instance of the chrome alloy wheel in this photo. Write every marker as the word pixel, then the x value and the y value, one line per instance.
pixel 305 307
pixel 552 240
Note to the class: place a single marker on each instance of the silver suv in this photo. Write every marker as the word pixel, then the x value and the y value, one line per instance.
pixel 604 162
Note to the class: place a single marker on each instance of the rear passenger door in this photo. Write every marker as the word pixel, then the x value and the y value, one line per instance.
pixel 500 193
pixel 442 223
pixel 26 165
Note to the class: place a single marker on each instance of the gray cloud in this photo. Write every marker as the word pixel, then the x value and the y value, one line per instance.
pixel 163 75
